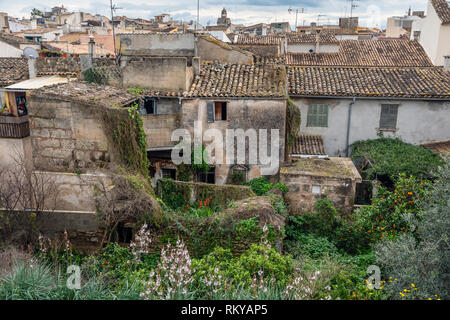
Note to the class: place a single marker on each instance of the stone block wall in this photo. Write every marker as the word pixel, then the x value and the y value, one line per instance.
pixel 304 190
pixel 58 65
pixel 66 136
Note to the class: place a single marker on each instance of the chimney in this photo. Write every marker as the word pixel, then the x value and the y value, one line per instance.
pixel 91 46
pixel 196 65
pixel 317 42
pixel 447 63
pixel 31 67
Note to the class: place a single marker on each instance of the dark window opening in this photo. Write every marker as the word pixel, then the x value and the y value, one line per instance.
pixel 207 176
pixel 21 104
pixel 388 117
pixel 220 109
pixel 124 234
pixel 149 106
pixel 169 173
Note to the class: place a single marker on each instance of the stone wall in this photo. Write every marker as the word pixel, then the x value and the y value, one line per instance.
pixel 301 198
pixel 310 179
pixel 58 65
pixel 193 191
pixel 66 135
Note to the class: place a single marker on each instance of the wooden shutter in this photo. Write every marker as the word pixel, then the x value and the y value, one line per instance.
pixel 210 111
pixel 388 116
pixel 317 115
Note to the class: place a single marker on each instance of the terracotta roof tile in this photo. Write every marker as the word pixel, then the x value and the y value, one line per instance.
pixel 370 53
pixel 442 147
pixel 369 82
pixel 13 70
pixel 238 80
pixel 442 9
pixel 292 38
pixel 14 40
pixel 308 145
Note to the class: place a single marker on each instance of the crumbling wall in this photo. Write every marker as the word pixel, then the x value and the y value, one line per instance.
pixel 192 191
pixel 301 196
pixel 58 65
pixel 210 49
pixel 66 136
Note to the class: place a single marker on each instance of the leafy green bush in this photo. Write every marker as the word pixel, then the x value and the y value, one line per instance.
pixel 241 270
pixel 421 262
pixel 260 186
pixel 311 246
pixel 386 158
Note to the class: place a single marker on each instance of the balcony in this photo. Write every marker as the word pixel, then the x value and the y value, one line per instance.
pixel 14 127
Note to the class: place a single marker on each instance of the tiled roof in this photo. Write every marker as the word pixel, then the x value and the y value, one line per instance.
pixel 292 38
pixel 370 53
pixel 268 60
pixel 442 9
pixel 13 70
pixel 258 40
pixel 224 80
pixel 90 94
pixel 308 145
pixel 369 82
pixel 442 147
pixel 15 41
pixel 323 37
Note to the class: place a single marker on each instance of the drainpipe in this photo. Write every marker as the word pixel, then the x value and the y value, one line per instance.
pixel 349 120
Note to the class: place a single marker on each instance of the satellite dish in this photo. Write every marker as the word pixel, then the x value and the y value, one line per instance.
pixel 29 52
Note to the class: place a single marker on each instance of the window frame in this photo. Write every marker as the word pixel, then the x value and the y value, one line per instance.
pixel 384 123
pixel 315 114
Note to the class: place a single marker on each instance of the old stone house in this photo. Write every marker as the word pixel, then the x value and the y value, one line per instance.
pixel 221 97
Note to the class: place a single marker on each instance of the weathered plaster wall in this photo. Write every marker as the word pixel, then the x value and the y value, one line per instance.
pixel 11 149
pixel 241 114
pixel 158 73
pixel 159 128
pixel 418 122
pixel 208 50
pixel 157 44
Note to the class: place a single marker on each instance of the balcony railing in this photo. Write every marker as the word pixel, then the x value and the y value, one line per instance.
pixel 14 127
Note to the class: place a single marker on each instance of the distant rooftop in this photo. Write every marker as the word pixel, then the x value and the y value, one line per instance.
pixel 370 53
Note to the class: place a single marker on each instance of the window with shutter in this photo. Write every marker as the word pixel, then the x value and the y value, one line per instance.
pixel 317 115
pixel 210 111
pixel 388 117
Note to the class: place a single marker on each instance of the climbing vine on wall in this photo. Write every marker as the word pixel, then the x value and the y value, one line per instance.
pixel 127 134
pixel 293 122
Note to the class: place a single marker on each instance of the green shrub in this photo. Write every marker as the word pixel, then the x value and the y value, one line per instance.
pixel 310 246
pixel 260 186
pixel 386 158
pixel 421 262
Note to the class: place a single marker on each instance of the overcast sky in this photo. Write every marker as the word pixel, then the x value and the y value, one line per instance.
pixel 371 12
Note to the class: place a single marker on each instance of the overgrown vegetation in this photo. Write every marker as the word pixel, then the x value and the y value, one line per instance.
pixel 293 122
pixel 385 158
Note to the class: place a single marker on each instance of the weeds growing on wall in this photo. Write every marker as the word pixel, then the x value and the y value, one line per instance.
pixel 293 122
pixel 126 130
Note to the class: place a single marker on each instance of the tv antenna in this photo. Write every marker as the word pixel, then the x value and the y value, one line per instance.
pixel 353 5
pixel 113 9
pixel 290 10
